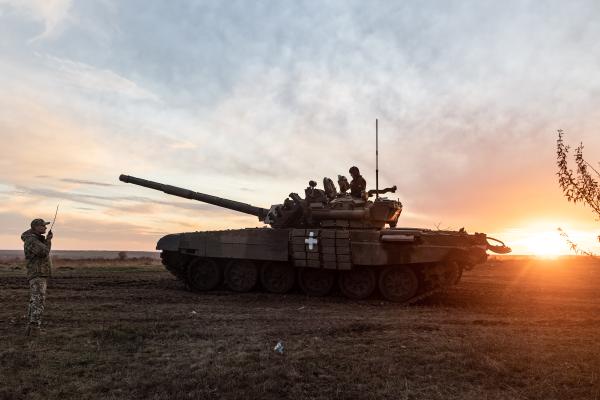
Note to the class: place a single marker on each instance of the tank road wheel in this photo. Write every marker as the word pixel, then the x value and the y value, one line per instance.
pixel 460 273
pixel 277 277
pixel 357 284
pixel 316 282
pixel 204 274
pixel 241 275
pixel 398 283
pixel 452 273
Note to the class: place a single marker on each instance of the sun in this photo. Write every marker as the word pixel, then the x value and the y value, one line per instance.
pixel 546 244
pixel 544 239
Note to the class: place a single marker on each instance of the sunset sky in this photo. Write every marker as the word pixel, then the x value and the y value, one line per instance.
pixel 251 99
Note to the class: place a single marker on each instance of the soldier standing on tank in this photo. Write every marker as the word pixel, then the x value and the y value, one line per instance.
pixel 358 186
pixel 39 269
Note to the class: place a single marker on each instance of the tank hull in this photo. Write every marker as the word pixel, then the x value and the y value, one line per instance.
pixel 405 264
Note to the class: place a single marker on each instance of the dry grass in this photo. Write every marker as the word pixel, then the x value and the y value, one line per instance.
pixel 120 330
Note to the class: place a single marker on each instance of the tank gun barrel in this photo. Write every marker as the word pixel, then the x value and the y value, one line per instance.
pixel 261 213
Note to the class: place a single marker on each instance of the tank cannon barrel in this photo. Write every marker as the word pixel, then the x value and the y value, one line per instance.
pixel 261 213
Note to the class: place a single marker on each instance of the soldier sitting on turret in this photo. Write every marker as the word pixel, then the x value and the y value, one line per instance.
pixel 358 185
pixel 343 184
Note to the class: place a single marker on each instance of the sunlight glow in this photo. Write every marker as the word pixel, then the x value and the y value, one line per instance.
pixel 546 244
pixel 542 238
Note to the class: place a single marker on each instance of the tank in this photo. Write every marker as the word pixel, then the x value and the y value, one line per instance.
pixel 328 237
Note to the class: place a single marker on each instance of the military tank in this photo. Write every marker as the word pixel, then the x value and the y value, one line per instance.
pixel 327 237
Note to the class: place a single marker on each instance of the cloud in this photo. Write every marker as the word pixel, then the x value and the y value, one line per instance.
pixel 90 78
pixel 249 102
pixel 51 13
pixel 39 141
pixel 134 203
pixel 82 182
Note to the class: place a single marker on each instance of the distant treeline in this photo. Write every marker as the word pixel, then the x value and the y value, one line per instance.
pixel 85 255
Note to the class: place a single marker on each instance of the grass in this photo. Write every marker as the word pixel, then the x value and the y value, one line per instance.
pixel 127 329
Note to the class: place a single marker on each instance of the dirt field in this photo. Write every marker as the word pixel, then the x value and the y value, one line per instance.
pixel 121 330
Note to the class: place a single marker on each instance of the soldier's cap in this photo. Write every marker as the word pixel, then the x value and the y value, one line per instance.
pixel 353 169
pixel 38 222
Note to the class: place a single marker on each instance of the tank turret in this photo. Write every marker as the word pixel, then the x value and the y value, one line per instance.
pixel 320 208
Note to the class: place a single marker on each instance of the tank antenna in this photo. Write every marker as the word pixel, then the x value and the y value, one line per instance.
pixel 376 158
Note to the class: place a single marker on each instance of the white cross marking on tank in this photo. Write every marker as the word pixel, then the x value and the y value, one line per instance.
pixel 311 241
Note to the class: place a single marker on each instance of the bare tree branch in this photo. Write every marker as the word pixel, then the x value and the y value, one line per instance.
pixel 579 187
pixel 573 246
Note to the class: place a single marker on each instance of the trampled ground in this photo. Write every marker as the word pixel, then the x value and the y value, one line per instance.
pixel 124 330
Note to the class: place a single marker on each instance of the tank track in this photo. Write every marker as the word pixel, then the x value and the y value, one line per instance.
pixel 237 275
pixel 424 296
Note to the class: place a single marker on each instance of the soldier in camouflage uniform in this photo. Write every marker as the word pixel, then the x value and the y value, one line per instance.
pixel 358 186
pixel 39 269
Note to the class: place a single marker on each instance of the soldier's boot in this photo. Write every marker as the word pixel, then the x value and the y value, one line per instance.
pixel 34 330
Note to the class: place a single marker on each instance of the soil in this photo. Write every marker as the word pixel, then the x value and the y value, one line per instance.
pixel 127 329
